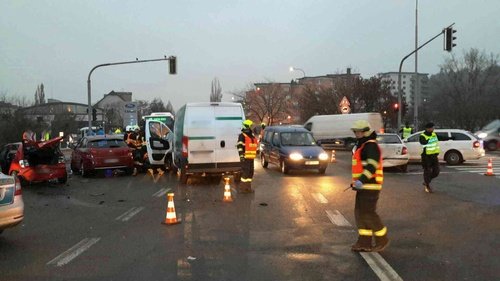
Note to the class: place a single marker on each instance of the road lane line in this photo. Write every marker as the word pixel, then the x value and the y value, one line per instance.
pixel 319 197
pixel 337 218
pixel 381 268
pixel 161 192
pixel 74 251
pixel 132 213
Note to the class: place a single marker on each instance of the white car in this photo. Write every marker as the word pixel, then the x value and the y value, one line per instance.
pixel 394 152
pixel 11 202
pixel 456 146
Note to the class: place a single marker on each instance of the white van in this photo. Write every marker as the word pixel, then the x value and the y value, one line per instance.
pixel 159 139
pixel 205 138
pixel 334 131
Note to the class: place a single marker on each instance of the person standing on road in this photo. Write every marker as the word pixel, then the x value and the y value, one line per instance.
pixel 247 149
pixel 430 163
pixel 406 131
pixel 367 179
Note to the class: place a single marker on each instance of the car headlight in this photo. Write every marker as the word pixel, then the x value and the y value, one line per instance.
pixel 323 156
pixel 296 156
pixel 482 135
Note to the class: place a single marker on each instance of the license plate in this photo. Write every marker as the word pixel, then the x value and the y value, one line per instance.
pixel 312 162
pixel 110 161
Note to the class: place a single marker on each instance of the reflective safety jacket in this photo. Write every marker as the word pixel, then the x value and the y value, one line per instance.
pixel 368 171
pixel 247 146
pixel 432 146
pixel 406 132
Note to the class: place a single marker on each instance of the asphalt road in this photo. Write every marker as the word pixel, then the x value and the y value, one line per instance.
pixel 294 227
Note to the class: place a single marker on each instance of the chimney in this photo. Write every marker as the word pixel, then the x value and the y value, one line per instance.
pixel 348 71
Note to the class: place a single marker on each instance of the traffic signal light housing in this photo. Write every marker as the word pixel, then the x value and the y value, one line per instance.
pixel 172 65
pixel 94 114
pixel 449 39
pixel 395 107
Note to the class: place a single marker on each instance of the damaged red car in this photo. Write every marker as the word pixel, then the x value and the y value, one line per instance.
pixel 35 161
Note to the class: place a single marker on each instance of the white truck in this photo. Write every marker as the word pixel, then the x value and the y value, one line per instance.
pixel 334 131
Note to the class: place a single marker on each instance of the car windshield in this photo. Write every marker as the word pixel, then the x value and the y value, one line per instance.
pixel 106 143
pixel 390 139
pixel 297 139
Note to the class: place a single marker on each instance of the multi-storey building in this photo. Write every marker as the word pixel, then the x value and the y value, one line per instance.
pixel 408 85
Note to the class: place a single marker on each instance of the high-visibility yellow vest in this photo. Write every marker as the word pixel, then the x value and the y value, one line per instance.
pixel 432 146
pixel 406 132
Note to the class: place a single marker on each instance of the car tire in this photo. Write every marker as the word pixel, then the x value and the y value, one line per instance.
pixel 491 145
pixel 63 179
pixel 322 171
pixel 263 160
pixel 183 177
pixel 284 167
pixel 453 157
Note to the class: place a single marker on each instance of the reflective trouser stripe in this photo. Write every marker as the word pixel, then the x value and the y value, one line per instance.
pixel 365 232
pixel 246 180
pixel 372 186
pixel 381 232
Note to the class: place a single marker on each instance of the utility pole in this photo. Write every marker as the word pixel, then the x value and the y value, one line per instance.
pixel 172 70
pixel 416 97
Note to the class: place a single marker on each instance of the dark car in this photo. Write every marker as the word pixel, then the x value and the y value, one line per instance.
pixel 292 148
pixel 101 152
pixel 35 161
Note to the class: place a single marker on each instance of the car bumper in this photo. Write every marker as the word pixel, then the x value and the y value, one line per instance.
pixel 395 161
pixel 13 214
pixel 43 172
pixel 306 165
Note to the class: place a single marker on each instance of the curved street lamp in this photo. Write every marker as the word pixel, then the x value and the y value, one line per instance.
pixel 299 69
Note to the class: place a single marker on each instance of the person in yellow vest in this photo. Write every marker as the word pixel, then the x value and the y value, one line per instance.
pixel 406 131
pixel 247 149
pixel 367 179
pixel 430 151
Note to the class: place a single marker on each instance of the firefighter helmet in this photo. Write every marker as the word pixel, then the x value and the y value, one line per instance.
pixel 247 123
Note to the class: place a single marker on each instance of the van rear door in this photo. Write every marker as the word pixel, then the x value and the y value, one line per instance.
pixel 159 141
pixel 199 128
pixel 228 120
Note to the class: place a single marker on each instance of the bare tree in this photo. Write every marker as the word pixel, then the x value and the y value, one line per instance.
pixel 157 105
pixel 216 91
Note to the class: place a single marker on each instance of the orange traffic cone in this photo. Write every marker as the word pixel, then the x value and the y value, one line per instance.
pixel 227 191
pixel 171 217
pixel 333 159
pixel 489 170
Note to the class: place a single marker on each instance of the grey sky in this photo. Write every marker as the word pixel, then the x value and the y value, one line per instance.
pixel 58 42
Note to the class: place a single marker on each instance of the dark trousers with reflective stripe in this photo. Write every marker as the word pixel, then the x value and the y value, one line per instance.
pixel 365 211
pixel 430 163
pixel 246 174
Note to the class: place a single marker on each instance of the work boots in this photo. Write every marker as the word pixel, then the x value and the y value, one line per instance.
pixel 381 242
pixel 364 244
pixel 427 188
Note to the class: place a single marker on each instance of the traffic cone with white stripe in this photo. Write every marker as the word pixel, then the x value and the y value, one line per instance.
pixel 489 170
pixel 171 217
pixel 227 191
pixel 333 159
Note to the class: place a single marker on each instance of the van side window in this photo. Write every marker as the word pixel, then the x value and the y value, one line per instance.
pixel 268 136
pixel 459 137
pixel 276 139
pixel 308 126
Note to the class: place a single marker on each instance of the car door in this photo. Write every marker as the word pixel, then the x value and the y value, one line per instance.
pixel 444 143
pixel 274 152
pixel 76 156
pixel 227 129
pixel 158 141
pixel 413 146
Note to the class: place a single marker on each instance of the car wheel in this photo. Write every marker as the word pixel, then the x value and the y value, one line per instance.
pixel 284 167
pixel 453 158
pixel 63 179
pixel 491 145
pixel 183 177
pixel 263 160
pixel 322 171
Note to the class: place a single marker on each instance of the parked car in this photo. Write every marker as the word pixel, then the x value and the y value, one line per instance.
pixel 101 152
pixel 490 134
pixel 292 148
pixel 394 152
pixel 456 146
pixel 205 138
pixel 35 161
pixel 11 202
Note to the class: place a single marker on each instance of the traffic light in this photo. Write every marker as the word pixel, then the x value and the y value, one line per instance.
pixel 94 114
pixel 172 65
pixel 395 106
pixel 449 39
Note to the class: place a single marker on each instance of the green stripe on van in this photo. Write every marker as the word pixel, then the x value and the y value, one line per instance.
pixel 202 138
pixel 228 118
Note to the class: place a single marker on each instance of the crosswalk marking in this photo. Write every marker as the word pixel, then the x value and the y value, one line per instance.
pixel 74 251
pixel 337 218
pixel 479 166
pixel 161 192
pixel 319 197
pixel 129 214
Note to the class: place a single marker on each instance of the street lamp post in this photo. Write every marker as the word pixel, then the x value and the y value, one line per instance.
pixel 299 69
pixel 89 91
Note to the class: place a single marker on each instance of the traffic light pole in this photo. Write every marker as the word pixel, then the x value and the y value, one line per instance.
pixel 171 59
pixel 400 93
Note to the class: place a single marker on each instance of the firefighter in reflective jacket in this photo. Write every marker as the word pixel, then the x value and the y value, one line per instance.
pixel 367 179
pixel 247 149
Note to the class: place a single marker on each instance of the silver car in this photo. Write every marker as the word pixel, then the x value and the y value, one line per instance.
pixel 11 202
pixel 394 152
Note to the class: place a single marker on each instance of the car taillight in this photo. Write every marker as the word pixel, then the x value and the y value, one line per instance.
pixel 404 151
pixel 185 146
pixel 18 187
pixel 61 160
pixel 476 144
pixel 24 163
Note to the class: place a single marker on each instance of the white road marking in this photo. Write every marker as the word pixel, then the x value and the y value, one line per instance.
pixel 129 214
pixel 74 251
pixel 337 218
pixel 319 197
pixel 383 270
pixel 162 192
